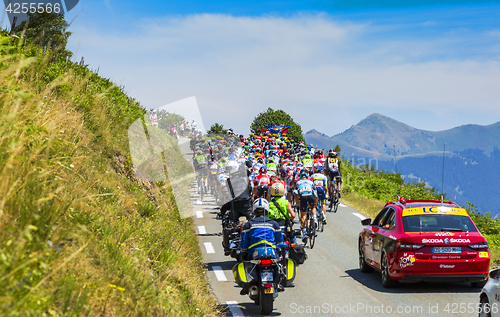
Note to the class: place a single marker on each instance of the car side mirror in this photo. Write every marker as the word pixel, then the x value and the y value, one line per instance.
pixel 366 222
pixel 494 273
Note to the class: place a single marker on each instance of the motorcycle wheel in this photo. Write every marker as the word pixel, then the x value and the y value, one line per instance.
pixel 265 302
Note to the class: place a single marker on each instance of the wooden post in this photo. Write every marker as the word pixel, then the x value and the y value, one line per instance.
pixel 24 41
pixel 44 50
pixel 81 62
pixel 13 25
pixel 55 58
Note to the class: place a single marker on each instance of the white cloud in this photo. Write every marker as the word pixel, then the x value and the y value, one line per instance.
pixel 342 72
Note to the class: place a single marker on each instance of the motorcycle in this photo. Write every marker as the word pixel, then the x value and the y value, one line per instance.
pixel 261 277
pixel 231 236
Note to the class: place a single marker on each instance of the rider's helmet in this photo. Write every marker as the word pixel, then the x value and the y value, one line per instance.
pixel 332 153
pixel 277 190
pixel 262 170
pixel 304 174
pixel 261 206
pixel 223 159
pixel 320 152
pixel 260 160
pixel 318 169
pixel 199 152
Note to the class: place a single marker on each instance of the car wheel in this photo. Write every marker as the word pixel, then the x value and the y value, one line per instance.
pixel 387 282
pixel 484 308
pixel 479 284
pixel 363 266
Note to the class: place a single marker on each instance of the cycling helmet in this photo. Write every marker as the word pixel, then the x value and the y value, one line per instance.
pixel 261 206
pixel 332 153
pixel 277 190
pixel 262 170
pixel 199 152
pixel 318 168
pixel 304 173
pixel 260 160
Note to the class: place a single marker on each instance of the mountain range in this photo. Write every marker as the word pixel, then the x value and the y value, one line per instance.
pixel 472 156
pixel 379 137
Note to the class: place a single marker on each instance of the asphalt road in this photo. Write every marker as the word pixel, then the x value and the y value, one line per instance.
pixel 329 283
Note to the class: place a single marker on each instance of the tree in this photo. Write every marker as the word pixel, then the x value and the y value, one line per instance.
pixel 337 149
pixel 217 128
pixel 165 119
pixel 278 117
pixel 47 29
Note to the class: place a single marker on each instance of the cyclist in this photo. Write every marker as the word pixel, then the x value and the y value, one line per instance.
pixel 260 181
pixel 320 181
pixel 200 164
pixel 332 167
pixel 308 197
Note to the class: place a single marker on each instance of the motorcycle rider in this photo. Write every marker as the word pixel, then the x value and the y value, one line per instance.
pixel 280 209
pixel 258 232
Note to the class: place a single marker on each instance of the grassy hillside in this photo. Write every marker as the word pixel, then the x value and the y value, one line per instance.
pixel 368 189
pixel 79 234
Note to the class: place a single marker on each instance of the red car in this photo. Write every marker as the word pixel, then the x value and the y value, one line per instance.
pixel 424 240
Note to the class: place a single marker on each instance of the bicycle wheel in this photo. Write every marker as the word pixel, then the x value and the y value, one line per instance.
pixel 321 226
pixel 202 189
pixel 336 205
pixel 312 231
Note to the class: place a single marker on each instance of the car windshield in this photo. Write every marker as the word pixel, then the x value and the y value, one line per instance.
pixel 428 223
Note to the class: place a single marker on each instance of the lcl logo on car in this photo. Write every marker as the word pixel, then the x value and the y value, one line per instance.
pixel 446 240
pixel 19 9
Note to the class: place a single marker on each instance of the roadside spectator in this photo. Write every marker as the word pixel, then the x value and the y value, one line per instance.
pixel 188 128
pixel 153 118
pixel 194 126
pixel 181 129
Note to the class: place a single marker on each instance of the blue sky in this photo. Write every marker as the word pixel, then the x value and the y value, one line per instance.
pixel 430 64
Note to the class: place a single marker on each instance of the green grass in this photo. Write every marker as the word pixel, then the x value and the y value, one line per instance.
pixel 79 234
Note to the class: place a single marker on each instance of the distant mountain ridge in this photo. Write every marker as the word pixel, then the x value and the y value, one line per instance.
pixel 471 170
pixel 378 136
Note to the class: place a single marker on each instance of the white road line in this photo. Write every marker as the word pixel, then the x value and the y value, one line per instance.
pixel 234 308
pixel 201 230
pixel 360 216
pixel 209 247
pixel 199 202
pixel 199 214
pixel 219 273
pixel 342 205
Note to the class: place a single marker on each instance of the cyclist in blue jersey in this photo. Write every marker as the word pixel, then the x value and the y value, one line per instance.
pixel 307 197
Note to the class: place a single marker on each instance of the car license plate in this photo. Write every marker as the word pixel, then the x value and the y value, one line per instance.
pixel 446 250
pixel 268 290
pixel 267 276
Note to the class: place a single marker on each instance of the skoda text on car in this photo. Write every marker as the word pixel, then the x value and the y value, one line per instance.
pixel 424 240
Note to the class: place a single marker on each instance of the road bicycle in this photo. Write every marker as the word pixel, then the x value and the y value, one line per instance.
pixel 310 228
